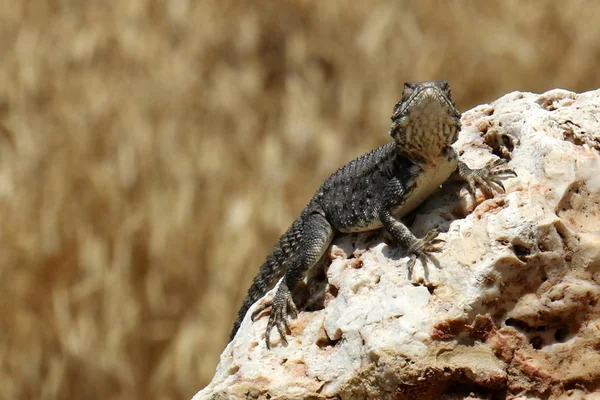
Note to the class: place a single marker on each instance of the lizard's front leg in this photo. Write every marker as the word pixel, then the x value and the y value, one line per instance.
pixel 394 196
pixel 316 237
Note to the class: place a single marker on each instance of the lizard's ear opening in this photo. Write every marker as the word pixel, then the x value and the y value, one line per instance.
pixel 409 88
pixel 393 132
pixel 396 111
pixel 394 128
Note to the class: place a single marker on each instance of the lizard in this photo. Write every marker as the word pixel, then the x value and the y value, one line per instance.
pixel 372 191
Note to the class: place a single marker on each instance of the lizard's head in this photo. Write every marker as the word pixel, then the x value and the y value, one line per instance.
pixel 426 120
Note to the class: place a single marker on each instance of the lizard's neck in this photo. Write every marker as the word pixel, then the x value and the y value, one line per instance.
pixel 417 156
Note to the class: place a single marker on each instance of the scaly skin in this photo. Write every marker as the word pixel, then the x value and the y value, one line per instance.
pixel 372 191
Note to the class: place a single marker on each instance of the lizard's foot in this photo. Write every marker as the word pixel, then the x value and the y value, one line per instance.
pixel 422 248
pixel 281 306
pixel 485 177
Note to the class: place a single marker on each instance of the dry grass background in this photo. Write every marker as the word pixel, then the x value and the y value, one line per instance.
pixel 152 152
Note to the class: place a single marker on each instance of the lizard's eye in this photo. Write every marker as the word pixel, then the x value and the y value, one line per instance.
pixel 444 86
pixel 407 92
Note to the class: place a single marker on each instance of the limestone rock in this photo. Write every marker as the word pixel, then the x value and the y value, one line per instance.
pixel 513 311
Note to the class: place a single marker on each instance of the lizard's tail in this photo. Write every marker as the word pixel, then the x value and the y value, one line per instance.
pixel 270 272
pixel 263 282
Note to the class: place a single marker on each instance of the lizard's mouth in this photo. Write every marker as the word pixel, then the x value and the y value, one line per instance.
pixel 430 103
pixel 426 95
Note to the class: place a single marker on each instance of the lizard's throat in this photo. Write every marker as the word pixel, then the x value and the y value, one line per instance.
pixel 427 141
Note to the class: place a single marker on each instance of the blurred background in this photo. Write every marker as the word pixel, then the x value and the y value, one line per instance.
pixel 151 153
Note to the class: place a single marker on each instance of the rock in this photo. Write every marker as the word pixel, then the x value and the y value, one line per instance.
pixel 512 312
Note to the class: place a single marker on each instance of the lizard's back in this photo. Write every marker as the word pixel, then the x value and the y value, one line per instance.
pixel 352 196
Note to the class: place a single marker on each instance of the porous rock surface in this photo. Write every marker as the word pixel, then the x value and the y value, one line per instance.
pixel 512 312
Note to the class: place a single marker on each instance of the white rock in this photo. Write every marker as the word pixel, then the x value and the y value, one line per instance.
pixel 514 310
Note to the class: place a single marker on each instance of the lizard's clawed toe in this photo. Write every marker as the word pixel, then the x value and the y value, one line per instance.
pixel 281 306
pixel 487 178
pixel 422 250
pixel 500 168
pixel 259 310
pixel 426 244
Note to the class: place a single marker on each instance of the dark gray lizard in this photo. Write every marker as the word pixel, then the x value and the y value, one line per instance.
pixel 372 191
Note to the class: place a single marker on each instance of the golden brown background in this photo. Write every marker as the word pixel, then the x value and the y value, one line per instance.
pixel 152 152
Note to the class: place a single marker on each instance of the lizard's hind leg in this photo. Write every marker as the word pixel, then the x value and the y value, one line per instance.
pixel 316 237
